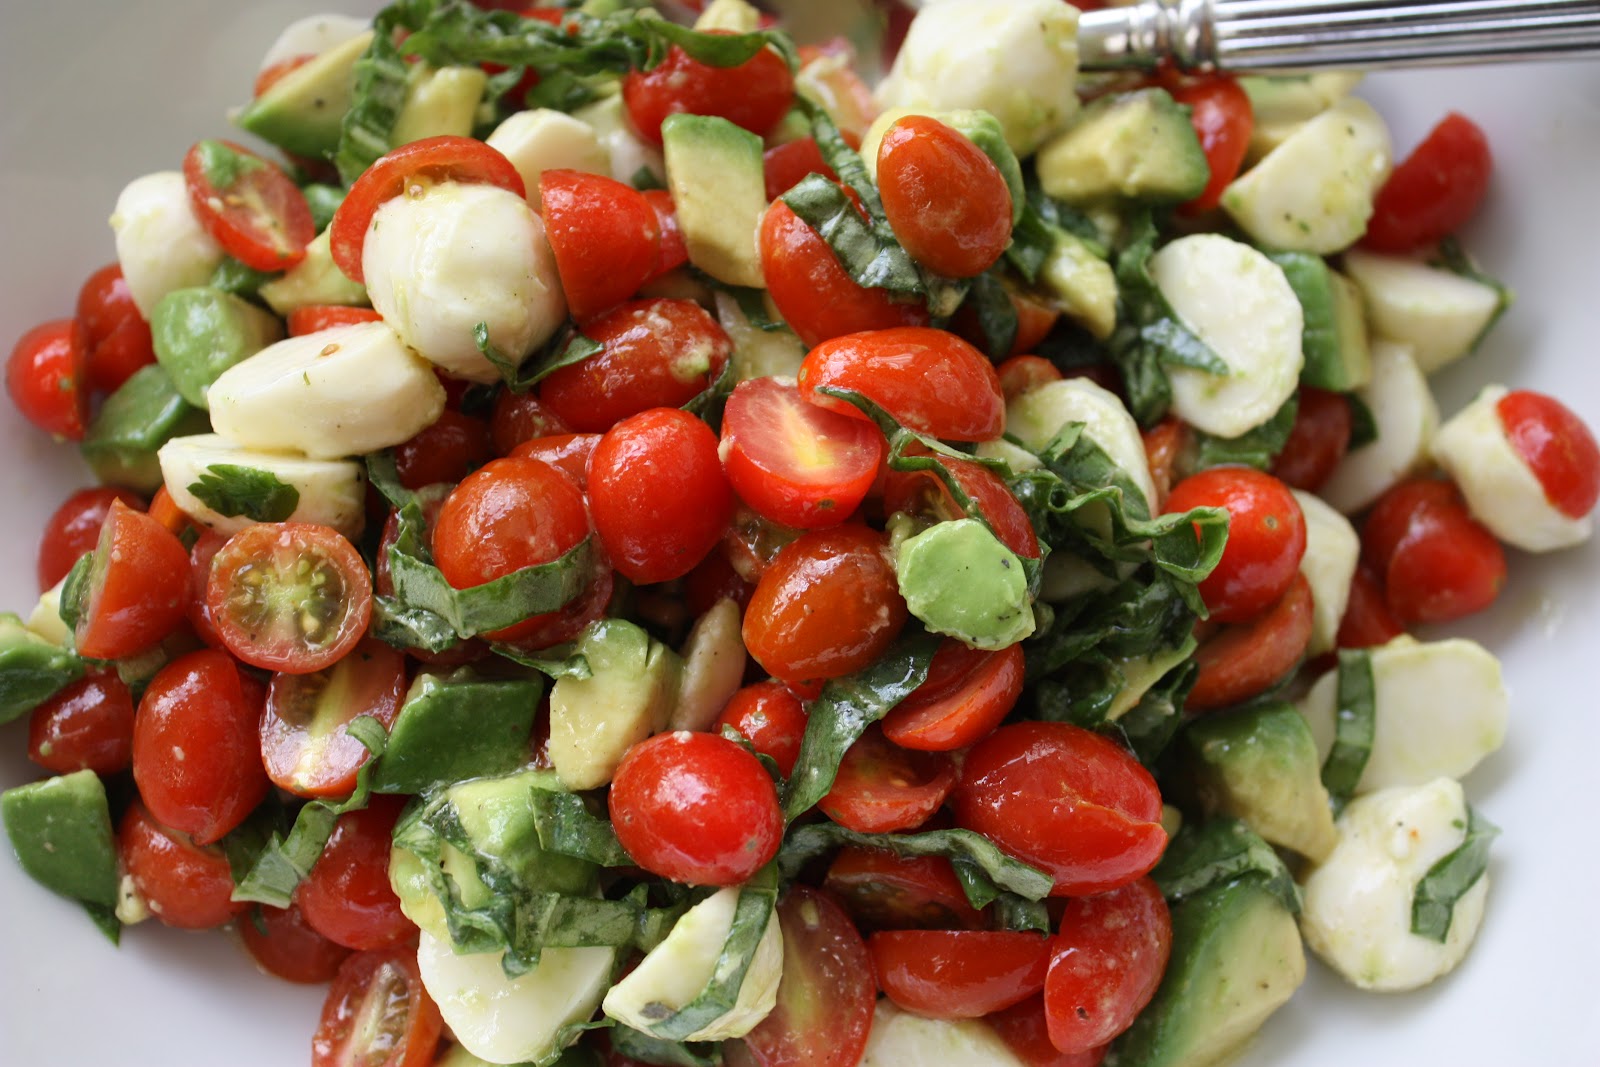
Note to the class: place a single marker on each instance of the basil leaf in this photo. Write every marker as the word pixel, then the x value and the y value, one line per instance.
pixel 1363 424
pixel 566 825
pixel 758 898
pixel 403 627
pixel 234 277
pixel 384 476
pixel 989 871
pixel 222 166
pixel 1433 904
pixel 233 490
pixel 1012 912
pixel 1217 852
pixel 707 404
pixel 381 86
pixel 626 1041
pixel 874 259
pixel 568 348
pixel 1355 724
pixel 725 49
pixel 1452 257
pixel 1255 448
pixel 997 316
pixel 75 590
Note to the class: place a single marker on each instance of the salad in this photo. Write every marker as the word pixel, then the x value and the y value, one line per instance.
pixel 716 865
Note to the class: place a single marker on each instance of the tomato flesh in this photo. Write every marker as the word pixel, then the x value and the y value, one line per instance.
pixel 74 528
pixel 304 744
pixel 377 1014
pixel 248 205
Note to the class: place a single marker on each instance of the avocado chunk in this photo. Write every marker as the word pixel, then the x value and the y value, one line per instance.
pixel 1137 146
pixel 1337 353
pixel 455 727
pixel 61 831
pixel 135 421
pixel 314 280
pixel 199 333
pixel 1082 282
pixel 439 102
pixel 32 670
pixel 628 695
pixel 714 171
pixel 960 580
pixel 1260 765
pixel 303 111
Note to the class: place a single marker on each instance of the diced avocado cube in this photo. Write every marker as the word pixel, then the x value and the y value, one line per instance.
pixel 32 670
pixel 199 333
pixel 1082 282
pixel 959 579
pixel 439 102
pixel 135 421
pixel 1137 146
pixel 314 280
pixel 1338 355
pixel 628 695
pixel 61 831
pixel 304 110
pixel 455 727
pixel 715 173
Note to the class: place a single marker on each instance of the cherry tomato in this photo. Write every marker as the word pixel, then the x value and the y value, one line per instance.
pixel 568 453
pixel 447 451
pixel 1317 442
pixel 947 202
pixel 519 417
pixel 958 974
pixel 1556 445
pixel 116 338
pixel 1391 518
pixel 303 741
pixel 377 1014
pixel 1434 191
pixel 346 896
pixel 605 236
pixel 183 884
pixel 1024 1030
pixel 248 205
pixel 196 759
pixel 318 317
pixel 86 726
pixel 1066 800
pixel 967 693
pixel 138 586
pixel 1223 119
pixel 787 164
pixel 796 463
pixel 715 579
pixel 674 252
pixel 1164 444
pixel 205 549
pixel 756 94
pixel 165 511
pixel 771 718
pixel 882 788
pixel 924 493
pixel 1019 374
pixel 1367 621
pixel 1266 538
pixel 1448 566
pixel 566 624
pixel 657 354
pixel 432 159
pixel 1239 662
pixel 289 596
pixel 1106 960
pixel 283 945
pixel 831 80
pixel 827 605
pixel 74 528
pixel 45 378
pixel 891 892
pixel 696 808
pixel 814 294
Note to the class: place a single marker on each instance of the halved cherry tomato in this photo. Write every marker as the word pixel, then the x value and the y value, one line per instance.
pixel 1266 538
pixel 45 378
pixel 674 252
pixel 317 317
pixel 1434 191
pixel 282 944
pixel 1222 117
pixel 1367 621
pixel 605 236
pixel 1164 444
pixel 248 205
pixel 796 463
pixel 377 1014
pixel 889 892
pixel 1556 445
pixel 289 596
pixel 1024 1030
pixel 346 897
pixel 116 338
pixel 183 884
pixel 931 381
pixel 138 586
pixel 756 94
pixel 196 757
pixel 86 726
pixel 74 528
pixel 771 718
pixel 568 453
pixel 924 493
pixel 967 693
pixel 882 787
pixel 958 974
pixel 1064 799
pixel 1317 442
pixel 1392 516
pixel 303 740
pixel 432 159
pixel 519 417
pixel 448 450
pixel 947 202
pixel 205 549
pixel 167 513
pixel 1239 662
pixel 696 808
pixel 1106 960
pixel 1022 373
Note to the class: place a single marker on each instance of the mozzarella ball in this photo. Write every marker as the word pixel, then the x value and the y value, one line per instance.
pixel 160 243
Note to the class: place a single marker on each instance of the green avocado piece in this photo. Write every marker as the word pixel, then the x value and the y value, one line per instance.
pixel 714 171
pixel 439 102
pixel 627 695
pixel 1335 342
pixel 960 580
pixel 136 420
pixel 61 831
pixel 1082 282
pixel 32 670
pixel 455 727
pixel 303 111
pixel 1137 146
pixel 314 280
pixel 199 333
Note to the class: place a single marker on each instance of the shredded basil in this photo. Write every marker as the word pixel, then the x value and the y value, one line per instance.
pixel 626 1041
pixel 1363 424
pixel 1255 448
pixel 1433 904
pixel 567 349
pixel 758 899
pixel 222 166
pixel 996 315
pixel 1355 723
pixel 988 872
pixel 1452 257
pixel 381 86
pixel 258 495
pixel 1019 914
pixel 1217 852
pixel 234 277
pixel 565 825
pixel 75 590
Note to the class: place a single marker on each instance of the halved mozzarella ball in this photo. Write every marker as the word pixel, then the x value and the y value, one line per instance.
pixel 1333 550
pixel 542 139
pixel 314 35
pixel 332 492
pixel 161 245
pixel 1439 313
pixel 713 667
pixel 1406 417
pixel 899 1039
pixel 629 153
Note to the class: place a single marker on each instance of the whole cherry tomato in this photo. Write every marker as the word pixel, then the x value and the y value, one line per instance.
pixel 318 317
pixel 771 718
pixel 1367 619
pixel 1317 442
pixel 519 417
pixel 1434 190
pixel 1240 661
pixel 45 378
pixel 968 692
pixel 1436 562
pixel 183 884
pixel 947 202
pixel 282 944
pixel 1022 373
pixel 1266 538
pixel 605 236
pixel 1027 1034
pixel 882 788
pixel 756 94
pixel 74 528
pixel 86 726
pixel 1223 119
pixel 346 897
pixel 568 453
pixel 116 337
pixel 959 974
pixel 452 447
pixel 889 892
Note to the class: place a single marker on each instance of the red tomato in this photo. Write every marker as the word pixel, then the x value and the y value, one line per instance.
pixel 74 528
pixel 116 338
pixel 205 549
pixel 1066 800
pixel 922 492
pixel 1434 191
pixel 813 292
pixel 674 252
pixel 886 891
pixel 289 596
pixel 882 788
pixel 1222 118
pixel 947 202
pixel 696 808
pixel 45 378
pixel 1164 444
pixel 1448 566
pixel 826 606
pixel 1106 961
pixel 825 997
pixel 86 726
pixel 1392 516
pixel 967 693
pixel 1556 445
pixel 346 896
pixel 519 417
pixel 605 236
pixel 713 580
pixel 196 759
pixel 377 1014
pixel 787 164
pixel 796 463
pixel 184 885
pixel 138 586
pixel 756 94
pixel 303 741
pixel 283 945
pixel 657 354
pixel 1367 619
pixel 165 511
pixel 1239 662
pixel 317 317
pixel 1024 1030
pixel 248 205
pixel 432 159
pixel 1019 374
pixel 958 974
pixel 1317 442
pixel 568 453
pixel 771 718
pixel 447 451
pixel 1266 538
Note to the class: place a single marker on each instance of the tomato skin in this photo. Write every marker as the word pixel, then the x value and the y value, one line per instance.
pixel 1107 959
pixel 318 317
pixel 86 726
pixel 929 380
pixel 1223 119
pixel 922 492
pixel 885 891
pixel 947 202
pixel 1367 621
pixel 447 451
pixel 116 338
pixel 1447 567
pixel 519 417
pixel 1317 442
pixel 1164 444
pixel 787 164
pixel 1556 445
pixel 284 946
pixel 185 885
pixel 1243 660
pixel 377 1014
pixel 771 718
pixel 260 217
pixel 1022 373
pixel 696 808
pixel 74 528
pixel 958 974
pixel 674 253
pixel 568 453
pixel 205 549
pixel 756 94
pixel 1024 1030
pixel 1434 191
pixel 304 745
pixel 658 495
pixel 826 606
pixel 1393 514
pixel 657 353
pixel 45 379
pixel 968 693
pixel 815 295
pixel 882 788
pixel 605 236
pixel 1066 800
pixel 796 463
pixel 346 897
pixel 139 586
pixel 1266 538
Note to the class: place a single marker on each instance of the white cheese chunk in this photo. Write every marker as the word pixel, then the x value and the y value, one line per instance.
pixel 314 35
pixel 542 139
pixel 1437 312
pixel 1333 550
pixel 332 492
pixel 161 246
pixel 900 1039
pixel 1036 416
pixel 1406 416
pixel 713 667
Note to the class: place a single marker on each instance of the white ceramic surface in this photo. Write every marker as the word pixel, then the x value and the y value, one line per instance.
pixel 95 95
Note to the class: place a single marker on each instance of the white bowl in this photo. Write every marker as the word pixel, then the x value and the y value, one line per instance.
pixel 98 94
